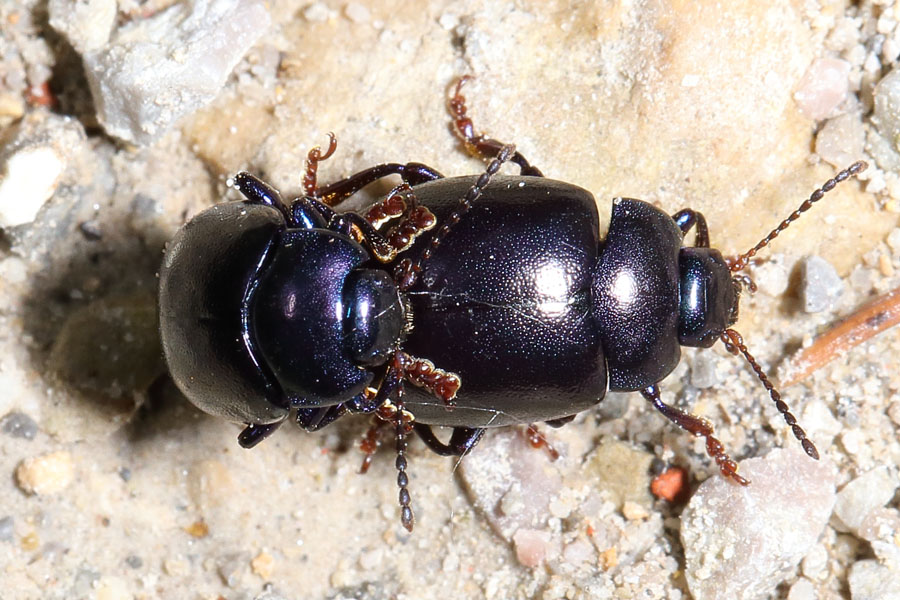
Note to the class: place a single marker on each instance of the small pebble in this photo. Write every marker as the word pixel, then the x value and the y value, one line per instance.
pixel 609 558
pixel 871 580
pixel 823 87
pixel 728 553
pixel 231 566
pixel 198 529
pixel 634 511
pixel 46 474
pixel 815 563
pixel 841 140
pixel 803 589
pixel 864 494
pixel 821 287
pixel 27 180
pixel 18 425
pixel 771 277
pixel 703 370
pixel 887 107
pixel 357 13
pixel 671 485
pixel 134 561
pixel 531 546
pixel 263 564
pixel 510 483
pixel 7 531
pixel 85 23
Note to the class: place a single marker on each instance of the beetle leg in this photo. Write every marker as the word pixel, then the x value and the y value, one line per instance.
pixel 416 219
pixel 314 419
pixel 257 191
pixel 555 423
pixel 477 144
pixel 461 441
pixel 537 440
pixel 437 382
pixel 310 183
pixel 254 433
pixel 698 427
pixel 687 218
pixel 370 443
pixel 411 173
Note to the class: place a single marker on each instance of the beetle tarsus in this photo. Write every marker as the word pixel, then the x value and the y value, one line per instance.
pixel 476 144
pixel 310 182
pixel 422 373
pixel 696 426
pixel 537 441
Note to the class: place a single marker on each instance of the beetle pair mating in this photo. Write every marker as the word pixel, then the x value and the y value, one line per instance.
pixel 468 302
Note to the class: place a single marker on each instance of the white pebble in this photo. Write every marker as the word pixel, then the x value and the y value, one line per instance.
pixel 357 13
pixel 864 494
pixel 531 546
pixel 28 180
pixel 821 286
pixel 741 542
pixel 870 580
pixel 85 23
pixel 803 589
pixel 841 140
pixel 823 87
pixel 46 474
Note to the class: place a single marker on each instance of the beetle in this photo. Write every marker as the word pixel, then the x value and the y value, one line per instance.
pixel 469 302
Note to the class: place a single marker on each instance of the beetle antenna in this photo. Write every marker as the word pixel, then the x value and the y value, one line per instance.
pixel 734 343
pixel 408 271
pixel 741 261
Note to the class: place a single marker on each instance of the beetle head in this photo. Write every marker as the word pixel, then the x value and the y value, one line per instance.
pixel 709 297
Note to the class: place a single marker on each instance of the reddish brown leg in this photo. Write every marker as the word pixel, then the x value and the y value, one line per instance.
pixel 313 158
pixel 416 219
pixel 437 382
pixel 370 443
pixel 698 427
pixel 477 144
pixel 537 440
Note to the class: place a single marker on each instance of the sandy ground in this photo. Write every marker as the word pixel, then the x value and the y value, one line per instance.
pixel 115 486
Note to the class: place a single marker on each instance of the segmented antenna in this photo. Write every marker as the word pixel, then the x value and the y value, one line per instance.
pixel 734 343
pixel 408 271
pixel 741 261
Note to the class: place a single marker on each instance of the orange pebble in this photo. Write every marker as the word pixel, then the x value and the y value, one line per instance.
pixel 671 485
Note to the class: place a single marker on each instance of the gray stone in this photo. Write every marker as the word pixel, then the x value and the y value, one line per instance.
pixel 156 70
pixel 741 542
pixel 19 425
pixel 703 370
pixel 7 531
pixel 821 286
pixel 887 107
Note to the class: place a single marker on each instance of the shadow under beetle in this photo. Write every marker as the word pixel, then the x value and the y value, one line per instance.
pixel 494 297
